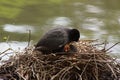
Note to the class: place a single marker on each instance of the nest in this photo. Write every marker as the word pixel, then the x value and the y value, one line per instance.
pixel 91 62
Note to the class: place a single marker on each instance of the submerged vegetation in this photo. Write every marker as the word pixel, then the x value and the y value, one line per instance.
pixel 91 62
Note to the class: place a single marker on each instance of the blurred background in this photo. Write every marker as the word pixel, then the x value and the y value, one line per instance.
pixel 96 19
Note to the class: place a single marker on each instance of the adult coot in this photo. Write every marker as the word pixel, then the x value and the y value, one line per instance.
pixel 57 40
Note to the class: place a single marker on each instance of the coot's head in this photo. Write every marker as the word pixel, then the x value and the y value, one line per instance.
pixel 74 35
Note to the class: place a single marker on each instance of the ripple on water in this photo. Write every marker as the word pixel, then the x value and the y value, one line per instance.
pixel 93 24
pixel 94 9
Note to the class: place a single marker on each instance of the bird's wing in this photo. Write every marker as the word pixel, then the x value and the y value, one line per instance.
pixel 54 39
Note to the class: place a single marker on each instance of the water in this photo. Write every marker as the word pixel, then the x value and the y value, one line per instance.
pixel 96 19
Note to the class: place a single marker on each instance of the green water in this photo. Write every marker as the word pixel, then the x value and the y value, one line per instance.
pixel 96 19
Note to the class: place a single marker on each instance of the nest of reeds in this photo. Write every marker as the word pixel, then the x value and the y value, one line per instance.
pixel 91 62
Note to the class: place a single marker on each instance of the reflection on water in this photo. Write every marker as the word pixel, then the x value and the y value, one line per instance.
pixel 17 46
pixel 17 28
pixel 62 21
pixel 10 48
pixel 96 19
pixel 115 51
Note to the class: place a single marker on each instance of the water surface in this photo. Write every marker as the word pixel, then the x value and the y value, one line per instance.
pixel 96 19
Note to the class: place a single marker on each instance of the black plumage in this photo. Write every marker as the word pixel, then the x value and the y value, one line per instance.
pixel 56 39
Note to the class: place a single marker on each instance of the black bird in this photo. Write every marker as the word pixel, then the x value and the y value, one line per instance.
pixel 57 40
